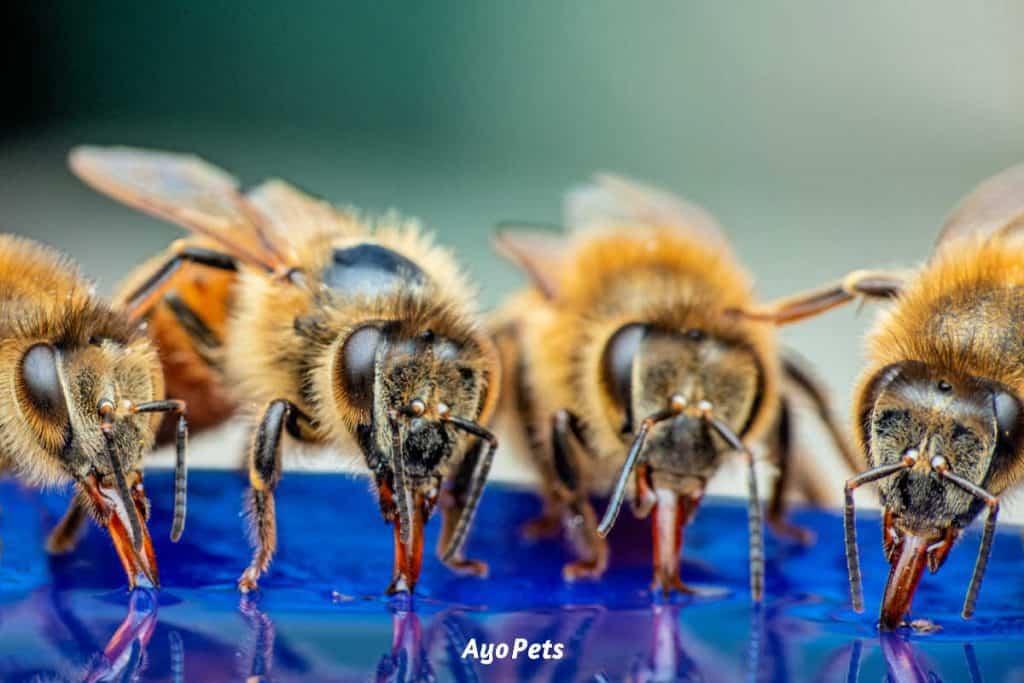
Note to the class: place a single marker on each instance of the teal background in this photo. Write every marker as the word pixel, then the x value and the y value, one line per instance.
pixel 825 136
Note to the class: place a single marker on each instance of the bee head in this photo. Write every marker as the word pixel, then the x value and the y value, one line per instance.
pixel 952 433
pixel 425 378
pixel 972 424
pixel 414 394
pixel 644 366
pixel 76 404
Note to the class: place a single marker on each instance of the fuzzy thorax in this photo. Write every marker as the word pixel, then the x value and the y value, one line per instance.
pixel 285 340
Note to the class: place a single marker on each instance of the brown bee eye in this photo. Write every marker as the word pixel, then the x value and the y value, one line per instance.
pixel 358 361
pixel 617 365
pixel 41 381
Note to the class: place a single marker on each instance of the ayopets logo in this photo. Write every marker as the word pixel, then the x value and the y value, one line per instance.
pixel 521 648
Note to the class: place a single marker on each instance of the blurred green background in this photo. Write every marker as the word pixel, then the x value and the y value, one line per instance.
pixel 825 136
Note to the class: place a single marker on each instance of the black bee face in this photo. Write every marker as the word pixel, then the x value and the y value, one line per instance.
pixel 645 367
pixel 959 422
pixel 943 427
pixel 423 379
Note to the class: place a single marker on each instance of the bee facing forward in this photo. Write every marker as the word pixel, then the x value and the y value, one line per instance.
pixel 81 389
pixel 340 331
pixel 626 364
pixel 938 409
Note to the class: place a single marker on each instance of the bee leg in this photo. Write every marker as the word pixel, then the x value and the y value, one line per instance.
pixel 143 297
pixel 582 524
pixel 783 455
pixel 65 535
pixel 860 284
pixel 811 387
pixel 453 503
pixel 549 523
pixel 264 475
pixel 645 499
pixel 579 517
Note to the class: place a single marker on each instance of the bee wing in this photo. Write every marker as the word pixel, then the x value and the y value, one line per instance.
pixel 613 198
pixel 995 205
pixel 290 210
pixel 186 190
pixel 539 254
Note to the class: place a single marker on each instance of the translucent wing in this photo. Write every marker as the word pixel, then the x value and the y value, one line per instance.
pixel 289 210
pixel 538 254
pixel 612 198
pixel 995 205
pixel 185 190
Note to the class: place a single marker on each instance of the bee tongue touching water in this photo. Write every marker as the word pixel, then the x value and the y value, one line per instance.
pixel 908 565
pixel 409 547
pixel 671 513
pixel 137 556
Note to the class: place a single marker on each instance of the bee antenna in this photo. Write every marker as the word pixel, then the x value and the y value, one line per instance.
pixel 177 657
pixel 611 513
pixel 122 489
pixel 180 480
pixel 476 484
pixel 755 523
pixel 180 460
pixel 850 528
pixel 985 549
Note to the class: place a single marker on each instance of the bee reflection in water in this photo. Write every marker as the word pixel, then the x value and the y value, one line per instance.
pixel 662 643
pixel 906 664
pixel 410 654
pixel 124 656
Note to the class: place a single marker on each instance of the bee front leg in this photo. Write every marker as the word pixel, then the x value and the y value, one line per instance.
pixel 453 502
pixel 65 535
pixel 264 475
pixel 579 517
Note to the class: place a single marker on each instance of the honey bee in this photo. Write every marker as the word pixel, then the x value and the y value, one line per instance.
pixel 81 399
pixel 629 371
pixel 937 410
pixel 342 331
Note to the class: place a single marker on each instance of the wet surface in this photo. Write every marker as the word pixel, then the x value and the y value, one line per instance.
pixel 321 615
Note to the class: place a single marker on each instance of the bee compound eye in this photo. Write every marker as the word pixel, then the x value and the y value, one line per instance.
pixel 1007 410
pixel 617 361
pixel 358 364
pixel 40 380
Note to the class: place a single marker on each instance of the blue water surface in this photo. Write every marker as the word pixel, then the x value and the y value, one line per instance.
pixel 321 616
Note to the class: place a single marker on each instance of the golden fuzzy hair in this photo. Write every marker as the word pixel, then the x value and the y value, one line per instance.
pixel 612 275
pixel 43 298
pixel 962 313
pixel 263 337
